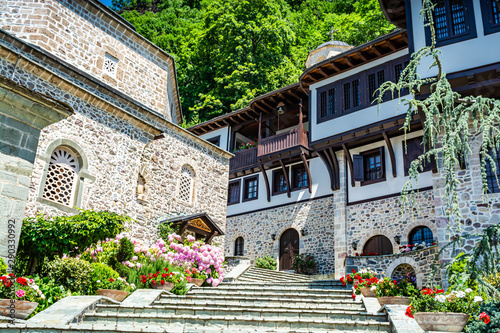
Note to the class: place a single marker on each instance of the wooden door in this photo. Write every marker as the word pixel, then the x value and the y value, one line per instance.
pixel 378 245
pixel 289 248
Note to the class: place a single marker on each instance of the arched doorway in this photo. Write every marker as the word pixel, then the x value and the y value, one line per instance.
pixel 378 245
pixel 404 271
pixel 289 248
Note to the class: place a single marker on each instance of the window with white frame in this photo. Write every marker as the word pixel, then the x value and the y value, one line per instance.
pixel 186 184
pixel 62 177
pixel 110 65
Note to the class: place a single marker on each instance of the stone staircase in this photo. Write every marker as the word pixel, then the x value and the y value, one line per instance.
pixel 259 301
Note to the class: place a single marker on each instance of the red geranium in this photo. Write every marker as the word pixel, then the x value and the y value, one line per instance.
pixel 111 280
pixel 353 296
pixel 484 318
pixel 409 312
pixel 22 281
pixel 342 280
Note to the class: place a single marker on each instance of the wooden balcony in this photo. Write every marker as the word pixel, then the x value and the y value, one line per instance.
pixel 243 159
pixel 283 141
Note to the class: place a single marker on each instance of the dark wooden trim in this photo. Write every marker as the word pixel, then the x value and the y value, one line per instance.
pixel 281 205
pixel 428 188
pixel 391 154
pixel 216 139
pixel 306 165
pixel 336 169
pixel 382 162
pixel 243 199
pixel 488 26
pixel 287 180
pixel 239 192
pixel 349 162
pixel 268 190
pixel 183 227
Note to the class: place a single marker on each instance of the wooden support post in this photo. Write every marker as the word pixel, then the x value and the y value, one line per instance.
pixel 336 169
pixel 287 180
pixel 268 190
pixel 391 153
pixel 306 166
pixel 349 162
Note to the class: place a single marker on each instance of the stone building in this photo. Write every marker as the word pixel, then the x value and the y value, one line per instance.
pixel 318 168
pixel 107 104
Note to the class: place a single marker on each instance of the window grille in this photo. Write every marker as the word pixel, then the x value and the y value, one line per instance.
pixel 347 96
pixel 355 93
pixel 373 167
pixel 251 187
pixel 398 69
pixel 450 19
pixel 495 10
pixel 233 192
pixel 110 65
pixel 331 102
pixel 299 177
pixel 61 177
pixel 493 178
pixel 372 86
pixel 440 20
pixel 420 235
pixel 239 247
pixel 279 182
pixel 186 184
pixel 323 105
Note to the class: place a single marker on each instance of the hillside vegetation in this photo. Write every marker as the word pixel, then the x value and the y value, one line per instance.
pixel 230 51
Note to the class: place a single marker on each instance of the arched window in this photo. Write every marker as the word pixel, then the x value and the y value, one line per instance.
pixel 141 188
pixel 420 235
pixel 239 247
pixel 62 176
pixel 378 245
pixel 186 183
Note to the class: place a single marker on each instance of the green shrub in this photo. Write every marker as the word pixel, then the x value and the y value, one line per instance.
pixel 165 229
pixel 52 292
pixel 125 251
pixel 304 264
pixel 73 274
pixel 3 267
pixel 266 262
pixel 52 237
pixel 101 272
pixel 477 326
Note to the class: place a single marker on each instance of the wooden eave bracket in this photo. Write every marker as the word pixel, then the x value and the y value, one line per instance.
pixel 266 181
pixel 288 191
pixel 391 153
pixel 306 166
pixel 329 157
pixel 349 162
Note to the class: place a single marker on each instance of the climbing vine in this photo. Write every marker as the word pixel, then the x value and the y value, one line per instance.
pixel 449 121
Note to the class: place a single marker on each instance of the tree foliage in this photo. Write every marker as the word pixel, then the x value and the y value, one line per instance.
pixel 230 51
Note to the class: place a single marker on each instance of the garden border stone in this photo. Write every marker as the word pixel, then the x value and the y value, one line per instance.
pixel 400 322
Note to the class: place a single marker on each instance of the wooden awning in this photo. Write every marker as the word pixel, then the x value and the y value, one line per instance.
pixel 200 224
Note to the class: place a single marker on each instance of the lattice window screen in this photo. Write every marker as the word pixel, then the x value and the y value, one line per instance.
pixel 110 65
pixel 186 184
pixel 61 177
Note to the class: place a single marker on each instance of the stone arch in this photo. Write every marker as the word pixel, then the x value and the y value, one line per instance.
pixel 83 174
pixel 414 224
pixel 409 261
pixel 363 239
pixel 186 184
pixel 113 47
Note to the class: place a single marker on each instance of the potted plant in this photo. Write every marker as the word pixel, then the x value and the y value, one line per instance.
pixel 195 276
pixel 390 291
pixel 435 310
pixel 355 278
pixel 161 280
pixel 116 289
pixel 18 296
pixel 364 287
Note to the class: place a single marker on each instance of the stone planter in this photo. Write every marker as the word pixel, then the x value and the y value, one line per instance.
pixel 20 309
pixel 198 282
pixel 117 295
pixel 399 300
pixel 441 321
pixel 167 286
pixel 367 292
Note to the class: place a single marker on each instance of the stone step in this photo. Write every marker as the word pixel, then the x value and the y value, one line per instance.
pixel 148 321
pixel 313 294
pixel 239 311
pixel 313 285
pixel 275 275
pixel 269 289
pixel 258 301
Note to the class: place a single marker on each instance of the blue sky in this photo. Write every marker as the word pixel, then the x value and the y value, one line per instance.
pixel 106 2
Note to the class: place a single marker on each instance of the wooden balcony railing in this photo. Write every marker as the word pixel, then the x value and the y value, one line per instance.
pixel 283 141
pixel 243 158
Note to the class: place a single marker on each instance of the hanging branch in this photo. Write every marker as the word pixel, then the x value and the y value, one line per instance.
pixel 450 120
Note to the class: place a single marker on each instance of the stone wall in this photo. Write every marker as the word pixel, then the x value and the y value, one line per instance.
pixel 422 262
pixel 82 32
pixel 315 217
pixel 383 217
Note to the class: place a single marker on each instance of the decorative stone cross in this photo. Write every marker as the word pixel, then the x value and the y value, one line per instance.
pixel 332 32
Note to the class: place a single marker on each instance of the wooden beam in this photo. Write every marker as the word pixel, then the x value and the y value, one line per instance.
pixel 269 106
pixel 241 117
pixel 255 112
pixel 349 62
pixel 361 55
pixel 306 165
pixel 391 154
pixel 336 169
pixel 329 168
pixel 202 129
pixel 287 180
pixel 349 162
pixel 266 181
pixel 391 45
pixel 376 50
pixel 260 107
pixel 335 67
pixel 321 72
pixel 208 125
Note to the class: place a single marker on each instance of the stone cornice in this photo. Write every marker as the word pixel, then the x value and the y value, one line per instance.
pixel 155 125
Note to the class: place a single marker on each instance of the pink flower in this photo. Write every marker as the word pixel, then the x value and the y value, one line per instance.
pixel 134 258
pixel 190 238
pixel 20 293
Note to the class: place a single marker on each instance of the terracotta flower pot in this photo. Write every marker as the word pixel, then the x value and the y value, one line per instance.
pixel 117 295
pixel 20 309
pixel 198 282
pixel 367 292
pixel 167 286
pixel 400 300
pixel 441 321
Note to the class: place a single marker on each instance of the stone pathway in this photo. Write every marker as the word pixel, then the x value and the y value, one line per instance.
pixel 257 301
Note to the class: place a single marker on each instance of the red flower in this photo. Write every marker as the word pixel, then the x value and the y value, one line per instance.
pixel 188 278
pixel 353 296
pixel 439 291
pixel 111 280
pixel 409 311
pixel 155 275
pixel 427 291
pixel 484 318
pixel 162 282
pixel 342 280
pixel 153 282
pixel 353 271
pixel 165 269
pixel 164 275
pixel 395 282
